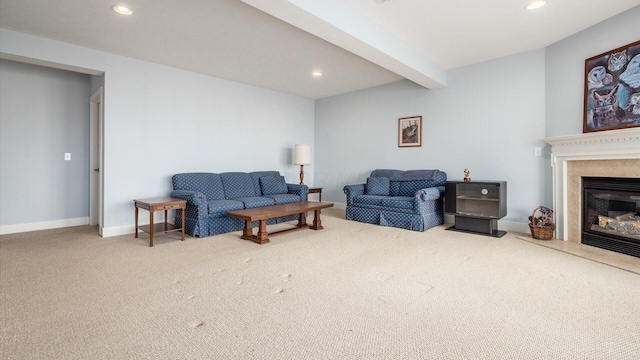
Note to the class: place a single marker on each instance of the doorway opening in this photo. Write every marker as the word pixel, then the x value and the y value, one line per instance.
pixel 96 117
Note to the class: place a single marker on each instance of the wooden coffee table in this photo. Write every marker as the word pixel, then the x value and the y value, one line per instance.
pixel 262 214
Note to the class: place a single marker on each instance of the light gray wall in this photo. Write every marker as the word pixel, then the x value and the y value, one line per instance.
pixel 488 119
pixel 564 90
pixel 565 68
pixel 43 114
pixel 160 121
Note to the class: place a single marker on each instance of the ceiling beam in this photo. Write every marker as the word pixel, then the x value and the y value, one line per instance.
pixel 339 24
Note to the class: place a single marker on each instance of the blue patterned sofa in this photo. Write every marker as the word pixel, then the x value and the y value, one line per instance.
pixel 411 200
pixel 209 196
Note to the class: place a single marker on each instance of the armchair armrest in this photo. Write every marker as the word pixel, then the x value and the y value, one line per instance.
pixel 300 190
pixel 194 198
pixel 353 191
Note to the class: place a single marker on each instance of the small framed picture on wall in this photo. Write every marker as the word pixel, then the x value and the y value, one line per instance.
pixel 410 131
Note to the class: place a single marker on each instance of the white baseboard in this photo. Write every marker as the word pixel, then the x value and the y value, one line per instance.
pixel 43 225
pixel 130 229
pixel 118 230
pixel 513 226
pixel 341 206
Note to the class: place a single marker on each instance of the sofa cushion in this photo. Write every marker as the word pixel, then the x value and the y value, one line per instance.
pixel 368 199
pixel 209 184
pixel 220 207
pixel 406 183
pixel 400 175
pixel 255 177
pixel 284 198
pixel 237 185
pixel 256 201
pixel 377 186
pixel 394 188
pixel 271 185
pixel 400 202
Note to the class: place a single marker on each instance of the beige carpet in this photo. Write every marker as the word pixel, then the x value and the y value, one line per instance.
pixel 350 291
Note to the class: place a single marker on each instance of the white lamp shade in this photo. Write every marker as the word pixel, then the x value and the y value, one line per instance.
pixel 301 154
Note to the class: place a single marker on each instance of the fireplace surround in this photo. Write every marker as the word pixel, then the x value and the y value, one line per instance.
pixel 614 153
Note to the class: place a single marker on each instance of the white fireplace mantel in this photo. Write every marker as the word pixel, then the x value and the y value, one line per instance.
pixel 603 145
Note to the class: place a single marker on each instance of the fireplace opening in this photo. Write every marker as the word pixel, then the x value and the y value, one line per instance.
pixel 611 214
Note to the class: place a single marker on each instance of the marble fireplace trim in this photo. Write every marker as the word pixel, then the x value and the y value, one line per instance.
pixel 614 153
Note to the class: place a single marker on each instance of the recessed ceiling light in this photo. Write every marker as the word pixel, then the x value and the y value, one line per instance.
pixel 317 73
pixel 121 9
pixel 536 4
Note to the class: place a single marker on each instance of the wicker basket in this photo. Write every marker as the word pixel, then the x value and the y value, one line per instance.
pixel 542 227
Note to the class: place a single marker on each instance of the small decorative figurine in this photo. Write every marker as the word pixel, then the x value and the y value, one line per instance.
pixel 466 174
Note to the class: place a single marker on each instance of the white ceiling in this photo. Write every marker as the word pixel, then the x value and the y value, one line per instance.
pixel 276 44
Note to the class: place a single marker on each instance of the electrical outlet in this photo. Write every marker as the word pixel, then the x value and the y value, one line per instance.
pixel 67 156
pixel 537 151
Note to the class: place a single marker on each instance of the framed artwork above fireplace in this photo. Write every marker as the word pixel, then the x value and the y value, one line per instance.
pixel 612 89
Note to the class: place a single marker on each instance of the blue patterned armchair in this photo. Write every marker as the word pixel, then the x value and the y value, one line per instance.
pixel 411 200
pixel 209 196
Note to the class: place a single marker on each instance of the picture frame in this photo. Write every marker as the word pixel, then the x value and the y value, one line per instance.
pixel 612 89
pixel 410 131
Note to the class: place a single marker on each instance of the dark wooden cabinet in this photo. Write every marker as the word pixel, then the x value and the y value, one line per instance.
pixel 477 205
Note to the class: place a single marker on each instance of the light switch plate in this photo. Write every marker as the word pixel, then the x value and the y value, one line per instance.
pixel 537 151
pixel 67 156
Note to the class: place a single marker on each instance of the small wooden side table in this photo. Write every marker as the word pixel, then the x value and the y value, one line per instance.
pixel 315 190
pixel 157 204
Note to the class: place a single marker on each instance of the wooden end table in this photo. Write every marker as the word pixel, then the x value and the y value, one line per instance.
pixel 158 204
pixel 315 190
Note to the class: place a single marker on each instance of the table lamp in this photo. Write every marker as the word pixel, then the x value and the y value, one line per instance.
pixel 302 157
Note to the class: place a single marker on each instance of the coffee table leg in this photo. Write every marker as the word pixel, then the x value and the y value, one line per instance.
pixel 263 236
pixel 247 232
pixel 317 222
pixel 302 219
